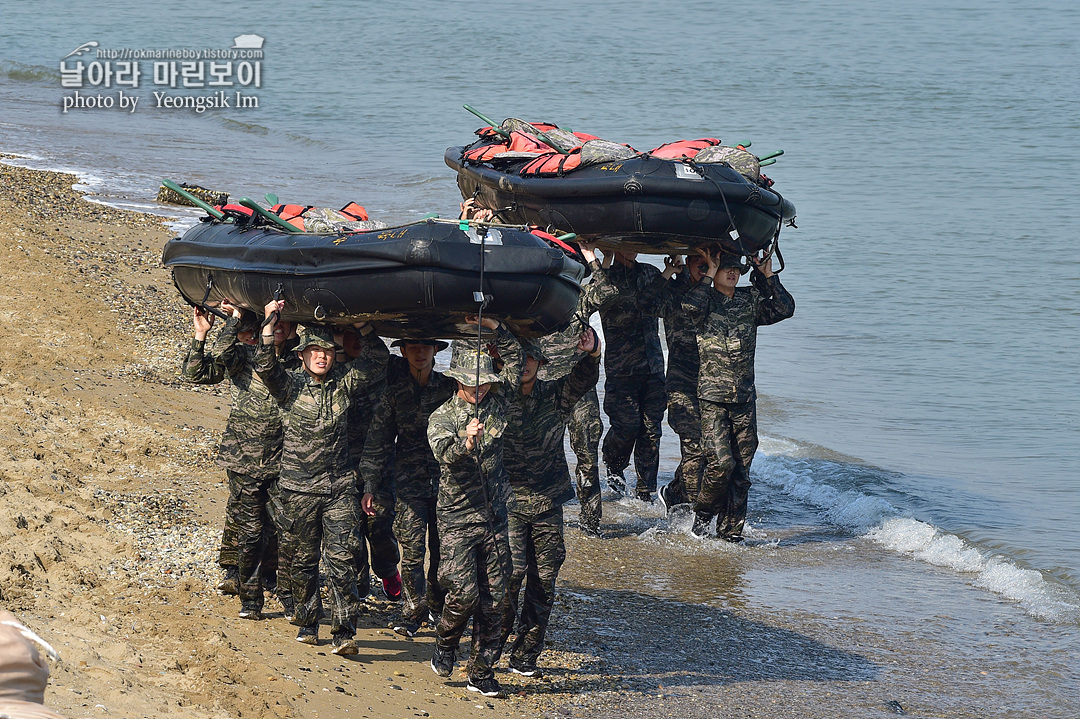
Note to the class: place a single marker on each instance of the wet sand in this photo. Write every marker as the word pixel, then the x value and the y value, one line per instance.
pixel 110 514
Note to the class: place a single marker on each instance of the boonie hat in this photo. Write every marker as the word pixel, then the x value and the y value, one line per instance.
pixel 316 335
pixel 249 322
pixel 439 345
pixel 464 364
pixel 728 259
pixel 532 349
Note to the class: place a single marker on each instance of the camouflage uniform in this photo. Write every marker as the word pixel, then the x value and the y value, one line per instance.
pixel 399 429
pixel 250 452
pixel 377 532
pixel 634 396
pixel 536 464
pixel 585 425
pixel 727 339
pixel 475 562
pixel 317 492
pixel 684 415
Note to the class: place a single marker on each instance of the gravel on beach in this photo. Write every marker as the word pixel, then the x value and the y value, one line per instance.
pixel 110 516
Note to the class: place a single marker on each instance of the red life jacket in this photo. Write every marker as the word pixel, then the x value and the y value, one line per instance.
pixel 293 214
pixel 489 133
pixel 683 148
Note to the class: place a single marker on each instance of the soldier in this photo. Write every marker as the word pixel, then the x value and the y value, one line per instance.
pixel 634 397
pixel 666 294
pixel 317 497
pixel 726 319
pixel 585 425
pixel 536 465
pixel 466 437
pixel 398 437
pixel 249 452
pixel 376 529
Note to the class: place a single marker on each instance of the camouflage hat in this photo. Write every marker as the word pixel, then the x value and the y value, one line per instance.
pixel 316 335
pixel 464 363
pixel 533 349
pixel 439 345
pixel 729 260
pixel 249 322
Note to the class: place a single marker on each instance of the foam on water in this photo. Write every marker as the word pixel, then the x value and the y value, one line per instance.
pixel 811 481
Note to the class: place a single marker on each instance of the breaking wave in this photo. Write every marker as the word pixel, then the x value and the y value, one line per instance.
pixel 815 482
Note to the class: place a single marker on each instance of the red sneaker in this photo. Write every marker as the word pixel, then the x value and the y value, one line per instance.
pixel 392 587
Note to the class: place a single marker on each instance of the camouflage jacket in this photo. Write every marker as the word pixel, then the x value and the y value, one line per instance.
pixel 315 438
pixel 533 450
pixel 630 325
pixel 361 412
pixel 666 297
pixel 251 442
pixel 727 335
pixel 468 495
pixel 399 435
pixel 561 347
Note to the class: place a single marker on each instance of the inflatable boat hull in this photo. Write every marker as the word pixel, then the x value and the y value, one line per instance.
pixel 412 281
pixel 643 204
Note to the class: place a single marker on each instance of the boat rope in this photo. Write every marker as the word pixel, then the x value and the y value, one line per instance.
pixel 202 303
pixel 279 294
pixel 727 209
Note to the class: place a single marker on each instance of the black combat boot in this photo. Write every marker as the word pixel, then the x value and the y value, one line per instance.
pixel 701 524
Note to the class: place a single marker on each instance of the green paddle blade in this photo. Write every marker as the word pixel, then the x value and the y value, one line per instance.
pixel 271 198
pixel 269 216
pixel 494 125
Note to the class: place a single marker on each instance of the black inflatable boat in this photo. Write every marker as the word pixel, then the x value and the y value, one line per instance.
pixel 416 280
pixel 676 197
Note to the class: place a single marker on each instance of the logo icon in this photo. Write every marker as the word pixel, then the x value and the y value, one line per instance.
pixel 85 47
pixel 246 42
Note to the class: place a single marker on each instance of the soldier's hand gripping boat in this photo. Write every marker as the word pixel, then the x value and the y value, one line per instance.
pixel 415 280
pixel 673 198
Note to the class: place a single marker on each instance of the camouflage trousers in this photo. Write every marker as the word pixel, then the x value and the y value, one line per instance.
pixel 249 541
pixel 729 436
pixel 378 548
pixel 474 568
pixel 684 416
pixel 586 428
pixel 635 409
pixel 417 531
pixel 321 524
pixel 538 551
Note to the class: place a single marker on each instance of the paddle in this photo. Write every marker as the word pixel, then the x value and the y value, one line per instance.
pixel 271 198
pixel 497 128
pixel 494 125
pixel 771 155
pixel 266 215
pixel 216 214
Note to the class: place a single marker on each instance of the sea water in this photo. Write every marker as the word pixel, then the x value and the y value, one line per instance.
pixel 923 402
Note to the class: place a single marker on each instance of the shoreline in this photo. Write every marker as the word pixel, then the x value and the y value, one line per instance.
pixel 111 505
pixel 110 513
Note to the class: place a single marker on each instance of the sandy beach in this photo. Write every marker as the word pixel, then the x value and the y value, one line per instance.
pixel 110 515
pixel 111 505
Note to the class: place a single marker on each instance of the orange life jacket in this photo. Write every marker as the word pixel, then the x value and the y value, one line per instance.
pixel 552 164
pixel 294 214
